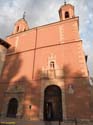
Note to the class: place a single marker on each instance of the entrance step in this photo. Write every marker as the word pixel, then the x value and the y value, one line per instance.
pixel 11 121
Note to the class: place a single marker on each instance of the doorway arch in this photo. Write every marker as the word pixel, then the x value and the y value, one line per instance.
pixel 12 108
pixel 53 104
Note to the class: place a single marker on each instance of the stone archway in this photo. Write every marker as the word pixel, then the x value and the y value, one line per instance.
pixel 12 108
pixel 53 104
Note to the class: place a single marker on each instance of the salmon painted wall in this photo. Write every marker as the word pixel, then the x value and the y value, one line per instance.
pixel 33 46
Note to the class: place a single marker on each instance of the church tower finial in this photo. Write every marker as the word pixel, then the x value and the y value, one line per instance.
pixel 65 2
pixel 24 14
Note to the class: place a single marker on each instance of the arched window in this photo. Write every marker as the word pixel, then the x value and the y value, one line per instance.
pixel 66 14
pixel 52 64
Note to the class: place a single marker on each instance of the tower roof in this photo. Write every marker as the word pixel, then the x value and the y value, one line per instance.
pixel 66 11
pixel 67 5
pixel 21 20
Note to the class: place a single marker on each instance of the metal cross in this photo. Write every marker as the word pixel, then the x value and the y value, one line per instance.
pixel 65 2
pixel 24 15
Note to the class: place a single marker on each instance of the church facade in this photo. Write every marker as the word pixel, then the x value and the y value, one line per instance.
pixel 45 75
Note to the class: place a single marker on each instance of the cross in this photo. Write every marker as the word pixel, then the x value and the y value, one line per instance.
pixel 64 2
pixel 24 14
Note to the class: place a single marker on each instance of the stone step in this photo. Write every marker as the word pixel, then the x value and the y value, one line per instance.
pixel 11 121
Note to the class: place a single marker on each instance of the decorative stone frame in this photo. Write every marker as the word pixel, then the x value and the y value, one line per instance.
pixel 51 58
pixel 47 80
pixel 45 83
pixel 14 91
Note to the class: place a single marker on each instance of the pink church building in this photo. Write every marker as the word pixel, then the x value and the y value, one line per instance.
pixel 45 75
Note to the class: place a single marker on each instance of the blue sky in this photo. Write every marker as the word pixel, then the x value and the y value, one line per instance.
pixel 40 12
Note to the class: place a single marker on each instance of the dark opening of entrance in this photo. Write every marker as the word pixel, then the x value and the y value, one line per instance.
pixel 12 108
pixel 53 104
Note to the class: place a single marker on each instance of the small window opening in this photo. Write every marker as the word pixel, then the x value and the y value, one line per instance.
pixel 17 28
pixel 86 58
pixel 30 107
pixel 52 64
pixel 66 14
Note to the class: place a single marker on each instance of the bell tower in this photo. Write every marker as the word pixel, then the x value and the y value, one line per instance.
pixel 20 26
pixel 66 11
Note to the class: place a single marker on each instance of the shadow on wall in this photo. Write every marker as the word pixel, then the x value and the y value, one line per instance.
pixel 77 91
pixel 31 100
pixel 30 90
pixel 11 67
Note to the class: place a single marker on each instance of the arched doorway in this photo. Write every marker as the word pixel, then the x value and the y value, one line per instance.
pixel 53 104
pixel 12 108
